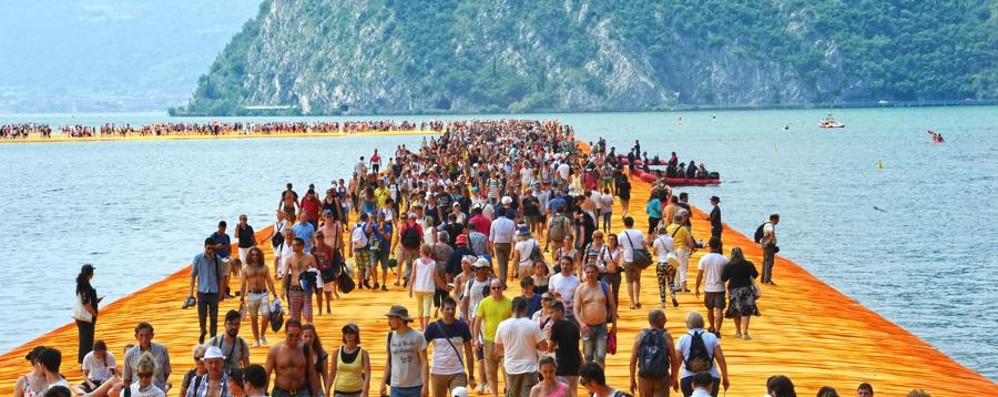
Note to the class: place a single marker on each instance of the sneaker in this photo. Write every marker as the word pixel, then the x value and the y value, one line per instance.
pixel 738 334
pixel 256 343
pixel 481 389
pixel 263 341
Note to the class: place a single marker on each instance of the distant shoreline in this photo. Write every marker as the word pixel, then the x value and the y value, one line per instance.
pixel 676 108
pixel 59 137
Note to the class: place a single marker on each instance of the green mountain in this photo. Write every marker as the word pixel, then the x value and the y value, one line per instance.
pixel 399 56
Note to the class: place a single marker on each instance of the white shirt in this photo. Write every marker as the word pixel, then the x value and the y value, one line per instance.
pixel 563 169
pixel 629 240
pixel 712 264
pixel 424 281
pixel 683 347
pixel 768 234
pixel 607 200
pixel 519 337
pixel 565 286
pixel 524 247
pixel 663 245
pixel 543 197
pixel 99 370
pixel 502 230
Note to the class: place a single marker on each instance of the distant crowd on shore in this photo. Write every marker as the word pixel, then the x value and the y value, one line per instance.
pixel 109 130
pixel 469 215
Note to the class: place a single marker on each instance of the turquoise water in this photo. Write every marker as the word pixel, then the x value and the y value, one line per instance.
pixel 915 241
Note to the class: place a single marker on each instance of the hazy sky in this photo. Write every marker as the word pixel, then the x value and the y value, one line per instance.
pixel 87 48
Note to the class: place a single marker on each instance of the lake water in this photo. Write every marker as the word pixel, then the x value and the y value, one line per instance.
pixel 915 241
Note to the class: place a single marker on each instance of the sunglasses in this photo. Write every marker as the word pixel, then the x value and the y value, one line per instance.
pixel 145 375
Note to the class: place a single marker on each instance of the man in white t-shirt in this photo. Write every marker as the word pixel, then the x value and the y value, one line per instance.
pixel 665 271
pixel 709 269
pixel 519 342
pixel 631 239
pixel 475 292
pixel 451 339
pixel 565 283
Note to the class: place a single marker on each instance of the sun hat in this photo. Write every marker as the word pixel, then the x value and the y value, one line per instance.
pixel 459 391
pixel 212 352
pixel 481 263
pixel 400 312
pixel 506 200
pixel 524 231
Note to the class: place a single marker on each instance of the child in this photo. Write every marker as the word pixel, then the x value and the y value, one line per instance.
pixel 541 275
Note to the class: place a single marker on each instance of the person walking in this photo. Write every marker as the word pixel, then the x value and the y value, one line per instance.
pixel 490 312
pixel 769 248
pixel 654 359
pixel 236 349
pixel 701 354
pixel 206 271
pixel 451 339
pixel 407 369
pixel 739 274
pixel 519 342
pixel 632 239
pixel 709 271
pixel 350 374
pixel 87 295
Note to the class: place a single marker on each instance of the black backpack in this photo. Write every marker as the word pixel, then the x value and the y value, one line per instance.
pixel 411 237
pixel 699 359
pixel 278 238
pixel 759 233
pixel 653 356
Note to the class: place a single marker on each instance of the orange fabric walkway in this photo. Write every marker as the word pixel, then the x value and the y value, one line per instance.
pixel 809 331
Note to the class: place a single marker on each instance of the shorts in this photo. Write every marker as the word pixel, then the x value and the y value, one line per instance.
pixel 441 385
pixel 224 267
pixel 714 300
pixel 362 259
pixel 424 303
pixel 300 303
pixel 414 391
pixel 258 303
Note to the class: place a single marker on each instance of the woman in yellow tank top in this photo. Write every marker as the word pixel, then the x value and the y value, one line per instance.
pixel 351 369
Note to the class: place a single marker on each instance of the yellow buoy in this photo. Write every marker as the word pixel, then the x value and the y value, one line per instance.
pixel 880 164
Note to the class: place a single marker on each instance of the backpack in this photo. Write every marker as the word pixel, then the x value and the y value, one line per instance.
pixel 699 359
pixel 759 233
pixel 359 236
pixel 556 230
pixel 278 239
pixel 653 356
pixel 411 237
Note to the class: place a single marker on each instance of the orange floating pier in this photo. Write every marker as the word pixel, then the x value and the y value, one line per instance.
pixel 809 331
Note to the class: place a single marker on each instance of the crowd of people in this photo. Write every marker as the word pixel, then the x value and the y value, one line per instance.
pixel 110 130
pixel 485 206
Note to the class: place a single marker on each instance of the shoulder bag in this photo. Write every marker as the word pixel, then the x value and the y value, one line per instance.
pixel 641 258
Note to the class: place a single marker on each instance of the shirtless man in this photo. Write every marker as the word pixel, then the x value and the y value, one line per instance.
pixel 293 376
pixel 289 203
pixel 594 307
pixel 298 299
pixel 256 283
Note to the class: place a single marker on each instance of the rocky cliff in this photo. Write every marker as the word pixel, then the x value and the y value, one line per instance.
pixel 403 56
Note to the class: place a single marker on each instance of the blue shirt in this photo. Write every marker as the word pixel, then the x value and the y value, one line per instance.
pixel 226 250
pixel 306 232
pixel 206 270
pixel 654 208
pixel 533 305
